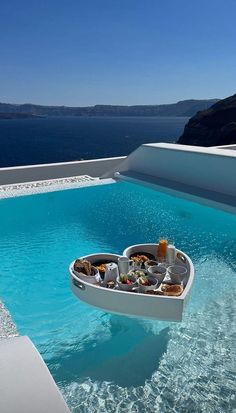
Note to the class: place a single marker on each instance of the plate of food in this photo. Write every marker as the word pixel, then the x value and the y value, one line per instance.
pixel 99 261
pixel 140 258
pixel 86 271
pixel 126 282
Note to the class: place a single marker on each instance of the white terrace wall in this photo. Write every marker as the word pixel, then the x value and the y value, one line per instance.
pixel 208 168
pixel 94 168
pixel 213 169
pixel 230 147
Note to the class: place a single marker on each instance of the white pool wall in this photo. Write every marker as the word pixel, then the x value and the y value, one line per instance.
pixel 207 173
pixel 29 173
pixel 212 169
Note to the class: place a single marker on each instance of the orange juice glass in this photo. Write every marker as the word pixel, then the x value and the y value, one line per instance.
pixel 162 250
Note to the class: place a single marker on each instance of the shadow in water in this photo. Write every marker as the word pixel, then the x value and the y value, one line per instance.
pixel 128 357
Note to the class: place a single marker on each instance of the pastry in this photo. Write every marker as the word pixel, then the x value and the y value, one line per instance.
pixel 139 258
pixel 155 292
pixel 83 266
pixel 172 289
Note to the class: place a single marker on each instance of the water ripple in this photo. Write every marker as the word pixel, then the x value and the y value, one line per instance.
pixel 196 373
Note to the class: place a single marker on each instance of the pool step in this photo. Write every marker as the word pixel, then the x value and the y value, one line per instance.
pixel 26 385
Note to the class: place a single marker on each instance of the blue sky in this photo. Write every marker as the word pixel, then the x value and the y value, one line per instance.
pixel 90 52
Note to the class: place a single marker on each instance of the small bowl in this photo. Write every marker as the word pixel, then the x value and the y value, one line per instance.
pixel 92 279
pixel 177 273
pixel 157 271
pixel 150 263
pixel 137 273
pixel 127 287
pixel 145 288
pixel 138 264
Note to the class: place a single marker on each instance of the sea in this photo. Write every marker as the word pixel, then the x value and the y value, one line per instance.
pixel 60 139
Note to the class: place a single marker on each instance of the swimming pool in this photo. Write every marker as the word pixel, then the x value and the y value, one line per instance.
pixel 107 363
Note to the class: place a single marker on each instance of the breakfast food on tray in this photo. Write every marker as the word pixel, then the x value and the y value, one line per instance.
pixel 172 289
pixel 142 257
pixel 143 280
pixel 150 263
pixel 137 273
pixel 83 266
pixel 148 281
pixel 162 249
pixel 126 282
pixel 111 284
pixel 101 267
pixel 155 292
pixel 127 279
pixel 142 274
pixel 139 258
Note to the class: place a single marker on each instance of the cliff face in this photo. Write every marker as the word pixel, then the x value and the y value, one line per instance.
pixel 212 127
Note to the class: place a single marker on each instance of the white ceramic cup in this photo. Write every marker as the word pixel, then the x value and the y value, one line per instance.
pixel 158 271
pixel 123 264
pixel 147 263
pixel 127 287
pixel 177 273
pixel 92 279
pixel 145 288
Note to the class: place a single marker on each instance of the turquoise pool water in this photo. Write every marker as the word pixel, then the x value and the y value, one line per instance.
pixel 106 363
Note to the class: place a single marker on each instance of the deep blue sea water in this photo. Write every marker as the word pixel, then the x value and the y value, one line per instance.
pixel 60 139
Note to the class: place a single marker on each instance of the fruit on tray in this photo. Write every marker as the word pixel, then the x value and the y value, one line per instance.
pixel 126 279
pixel 143 280
pixel 137 273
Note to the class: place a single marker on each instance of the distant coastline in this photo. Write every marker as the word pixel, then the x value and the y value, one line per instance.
pixel 184 108
pixel 12 115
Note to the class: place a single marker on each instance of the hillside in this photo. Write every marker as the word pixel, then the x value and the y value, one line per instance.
pixel 214 126
pixel 183 108
pixel 13 115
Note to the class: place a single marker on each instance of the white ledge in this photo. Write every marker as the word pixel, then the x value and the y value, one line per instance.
pixel 26 384
pixel 29 173
pixel 211 150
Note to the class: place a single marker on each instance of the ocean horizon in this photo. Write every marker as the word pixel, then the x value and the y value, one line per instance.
pixel 63 139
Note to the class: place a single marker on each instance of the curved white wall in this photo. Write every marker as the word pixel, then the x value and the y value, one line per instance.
pixel 207 168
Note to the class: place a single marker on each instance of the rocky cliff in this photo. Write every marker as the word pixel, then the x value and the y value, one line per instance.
pixel 212 127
